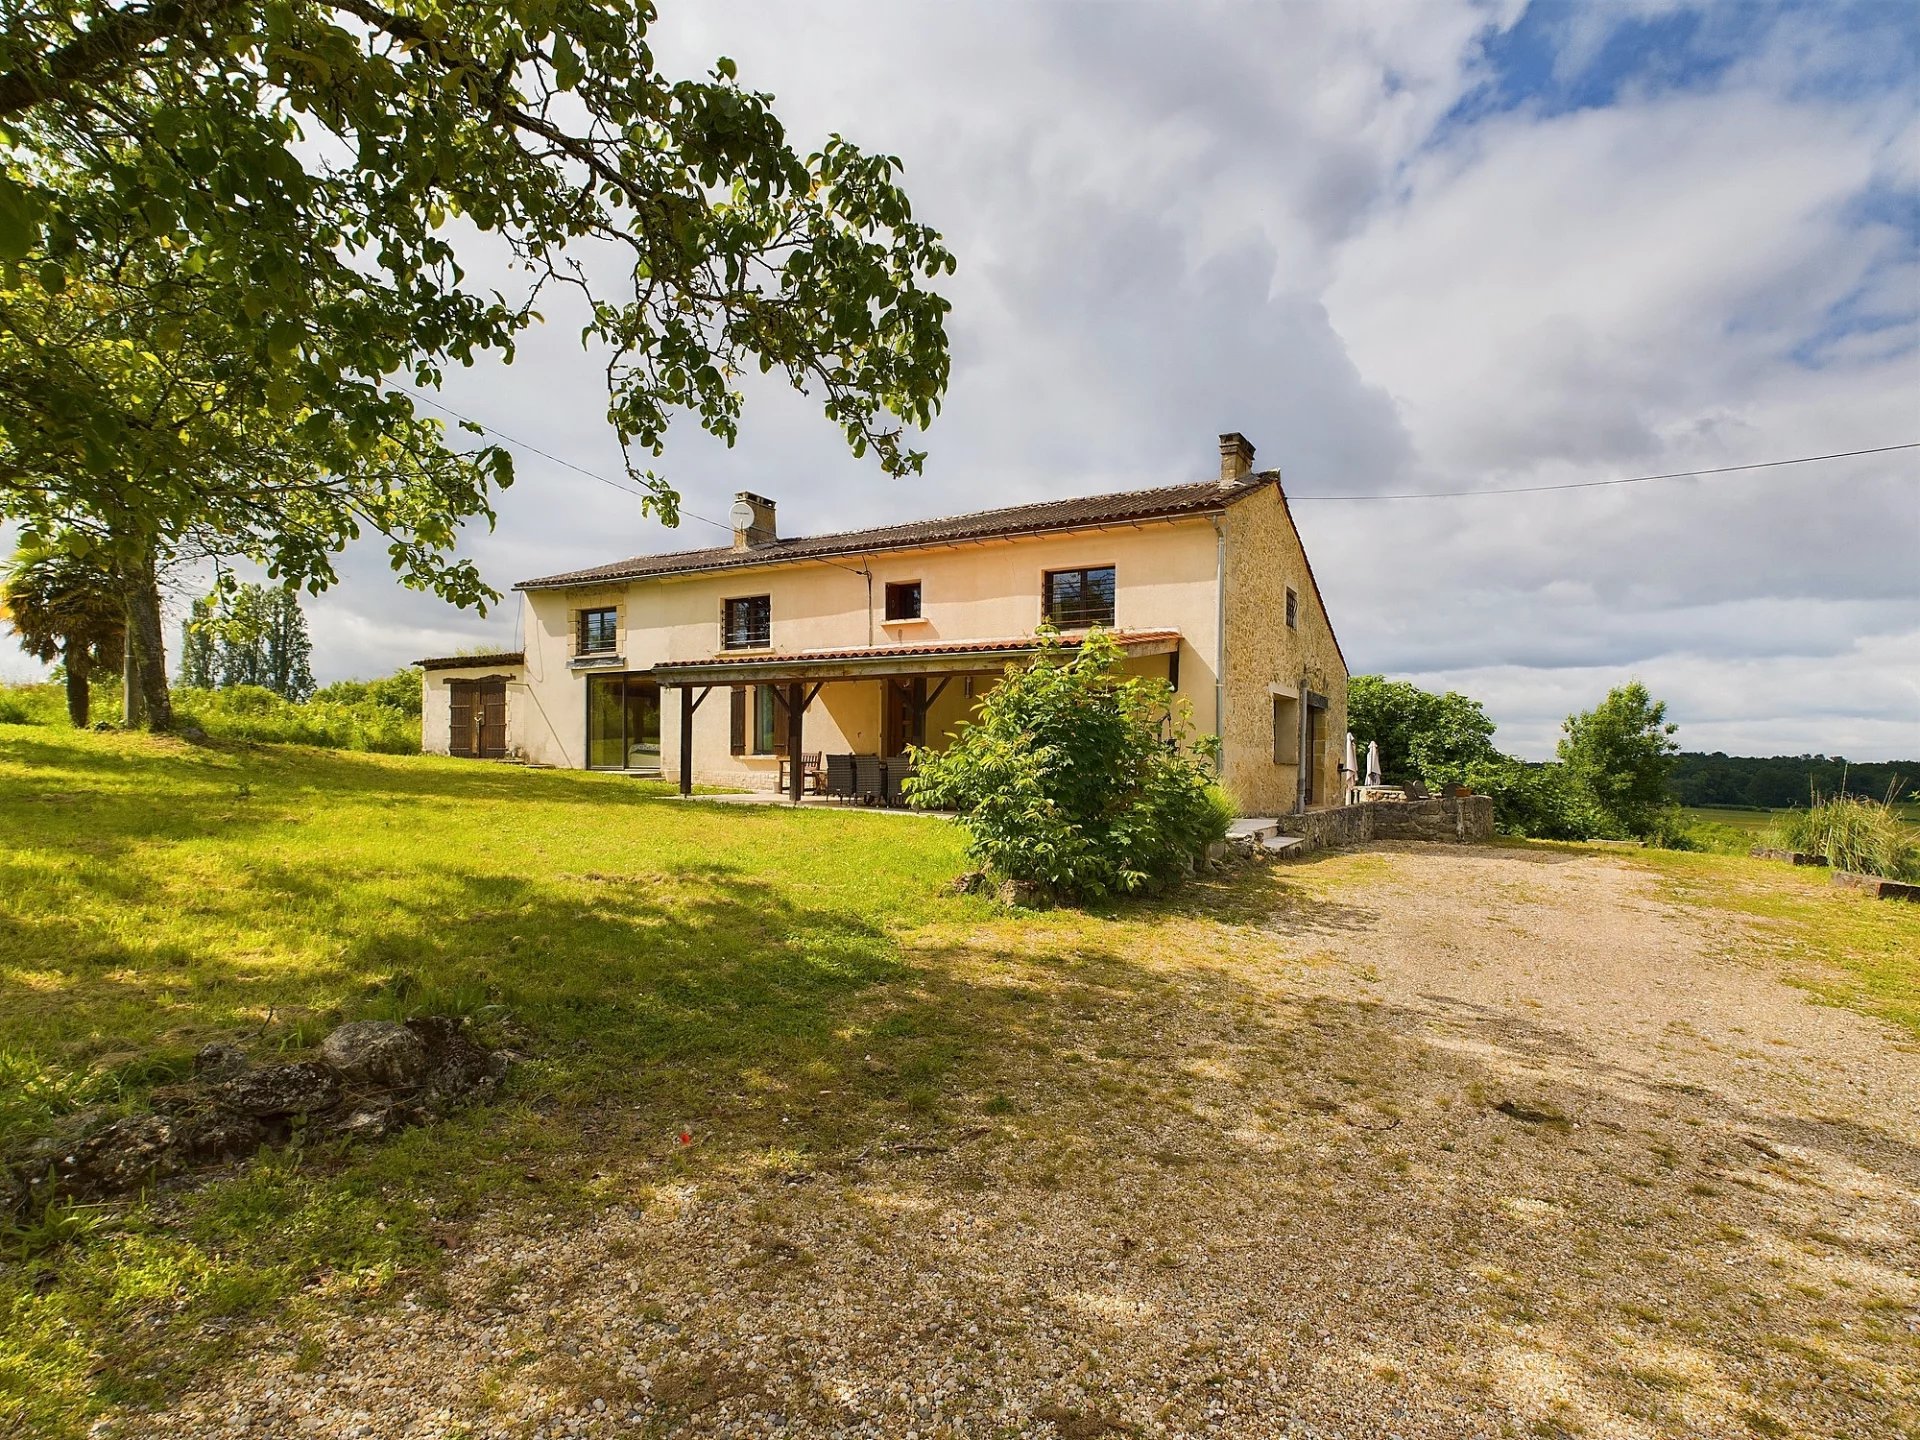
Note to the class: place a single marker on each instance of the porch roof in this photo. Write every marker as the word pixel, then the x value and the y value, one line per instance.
pixel 930 657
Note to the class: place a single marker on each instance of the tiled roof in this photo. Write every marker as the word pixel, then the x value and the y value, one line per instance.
pixel 1014 644
pixel 472 662
pixel 1123 508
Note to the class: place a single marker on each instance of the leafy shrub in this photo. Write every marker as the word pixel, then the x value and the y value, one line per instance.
pixel 399 691
pixel 15 709
pixel 1078 778
pixel 382 715
pixel 252 712
pixel 1850 832
pixel 1535 802
pixel 46 704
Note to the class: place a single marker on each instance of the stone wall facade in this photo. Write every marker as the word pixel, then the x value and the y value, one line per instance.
pixel 1468 820
pixel 1266 659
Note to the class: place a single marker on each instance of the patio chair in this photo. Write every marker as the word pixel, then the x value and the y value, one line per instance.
pixel 809 772
pixel 840 777
pixel 1416 791
pixel 897 769
pixel 869 779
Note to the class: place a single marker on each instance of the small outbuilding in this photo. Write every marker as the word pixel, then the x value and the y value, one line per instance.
pixel 463 704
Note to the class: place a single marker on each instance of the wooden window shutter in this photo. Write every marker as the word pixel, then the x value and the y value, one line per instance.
pixel 777 703
pixel 737 741
pixel 461 695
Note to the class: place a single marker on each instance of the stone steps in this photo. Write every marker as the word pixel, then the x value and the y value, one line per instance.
pixel 1253 828
pixel 1264 832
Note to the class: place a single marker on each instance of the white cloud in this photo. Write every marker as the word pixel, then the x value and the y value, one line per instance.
pixel 1178 220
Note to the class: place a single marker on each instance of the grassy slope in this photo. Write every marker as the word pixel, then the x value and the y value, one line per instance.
pixel 664 964
pixel 789 987
pixel 1843 946
pixel 1751 822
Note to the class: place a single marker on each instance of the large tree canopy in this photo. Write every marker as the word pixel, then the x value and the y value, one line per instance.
pixel 225 225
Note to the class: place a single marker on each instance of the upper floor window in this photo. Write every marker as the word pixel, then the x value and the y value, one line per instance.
pixel 1293 609
pixel 903 600
pixel 746 623
pixel 599 632
pixel 1075 599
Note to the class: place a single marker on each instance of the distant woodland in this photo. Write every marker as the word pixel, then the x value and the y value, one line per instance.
pixel 1773 782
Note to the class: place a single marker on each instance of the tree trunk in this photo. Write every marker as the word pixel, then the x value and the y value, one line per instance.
pixel 133 706
pixel 147 650
pixel 79 673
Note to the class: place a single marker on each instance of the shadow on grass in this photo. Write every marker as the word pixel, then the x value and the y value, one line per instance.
pixel 778 1022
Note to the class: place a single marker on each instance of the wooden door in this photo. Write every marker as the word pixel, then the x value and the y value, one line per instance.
pixel 463 698
pixel 493 719
pixel 906 714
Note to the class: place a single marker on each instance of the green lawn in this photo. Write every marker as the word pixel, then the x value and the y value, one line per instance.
pixel 1847 948
pixel 792 988
pixel 1753 822
pixel 663 963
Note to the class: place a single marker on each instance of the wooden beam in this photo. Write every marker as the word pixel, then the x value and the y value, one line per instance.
pixel 937 691
pixel 796 707
pixel 701 698
pixel 687 706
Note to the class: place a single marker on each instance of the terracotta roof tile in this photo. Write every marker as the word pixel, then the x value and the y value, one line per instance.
pixel 472 662
pixel 1011 643
pixel 1088 510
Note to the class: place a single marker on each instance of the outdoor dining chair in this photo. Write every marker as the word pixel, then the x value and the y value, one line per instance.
pixel 897 768
pixel 869 779
pixel 840 777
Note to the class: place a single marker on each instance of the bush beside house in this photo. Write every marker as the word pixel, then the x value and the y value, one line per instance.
pixel 1078 779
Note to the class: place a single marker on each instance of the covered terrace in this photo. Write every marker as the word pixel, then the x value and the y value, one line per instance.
pixel 910 679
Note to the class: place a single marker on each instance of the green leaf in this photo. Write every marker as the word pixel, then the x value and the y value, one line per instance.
pixel 567 69
pixel 283 340
pixel 19 220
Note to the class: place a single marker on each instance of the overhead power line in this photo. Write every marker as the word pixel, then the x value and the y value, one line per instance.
pixel 590 474
pixel 499 434
pixel 1623 480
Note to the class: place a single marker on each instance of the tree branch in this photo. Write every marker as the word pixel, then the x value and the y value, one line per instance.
pixel 103 50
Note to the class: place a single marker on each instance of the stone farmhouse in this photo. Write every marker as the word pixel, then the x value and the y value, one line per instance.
pixel 718 666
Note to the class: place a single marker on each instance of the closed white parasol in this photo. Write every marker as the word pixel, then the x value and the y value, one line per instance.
pixel 1373 762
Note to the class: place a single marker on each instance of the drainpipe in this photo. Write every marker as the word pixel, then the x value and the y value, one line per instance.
pixel 1220 641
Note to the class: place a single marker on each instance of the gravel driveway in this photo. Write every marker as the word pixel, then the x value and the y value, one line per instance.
pixel 1421 1141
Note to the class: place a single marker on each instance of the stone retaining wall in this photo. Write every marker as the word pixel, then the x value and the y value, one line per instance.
pixel 1467 819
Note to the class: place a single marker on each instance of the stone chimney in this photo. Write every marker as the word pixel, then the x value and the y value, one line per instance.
pixel 1236 457
pixel 752 520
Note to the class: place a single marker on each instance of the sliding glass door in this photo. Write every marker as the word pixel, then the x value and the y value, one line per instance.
pixel 623 723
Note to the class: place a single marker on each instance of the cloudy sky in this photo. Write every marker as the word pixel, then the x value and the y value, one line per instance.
pixel 1406 246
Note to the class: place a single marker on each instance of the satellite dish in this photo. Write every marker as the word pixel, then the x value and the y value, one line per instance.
pixel 742 515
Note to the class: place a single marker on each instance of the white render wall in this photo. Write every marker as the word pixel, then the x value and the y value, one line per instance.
pixel 436 707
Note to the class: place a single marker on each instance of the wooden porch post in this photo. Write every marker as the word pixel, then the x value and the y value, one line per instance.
pixel 686 740
pixel 796 706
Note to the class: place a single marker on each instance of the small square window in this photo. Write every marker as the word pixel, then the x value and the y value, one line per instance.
pixel 599 631
pixel 903 600
pixel 746 623
pixel 1293 610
